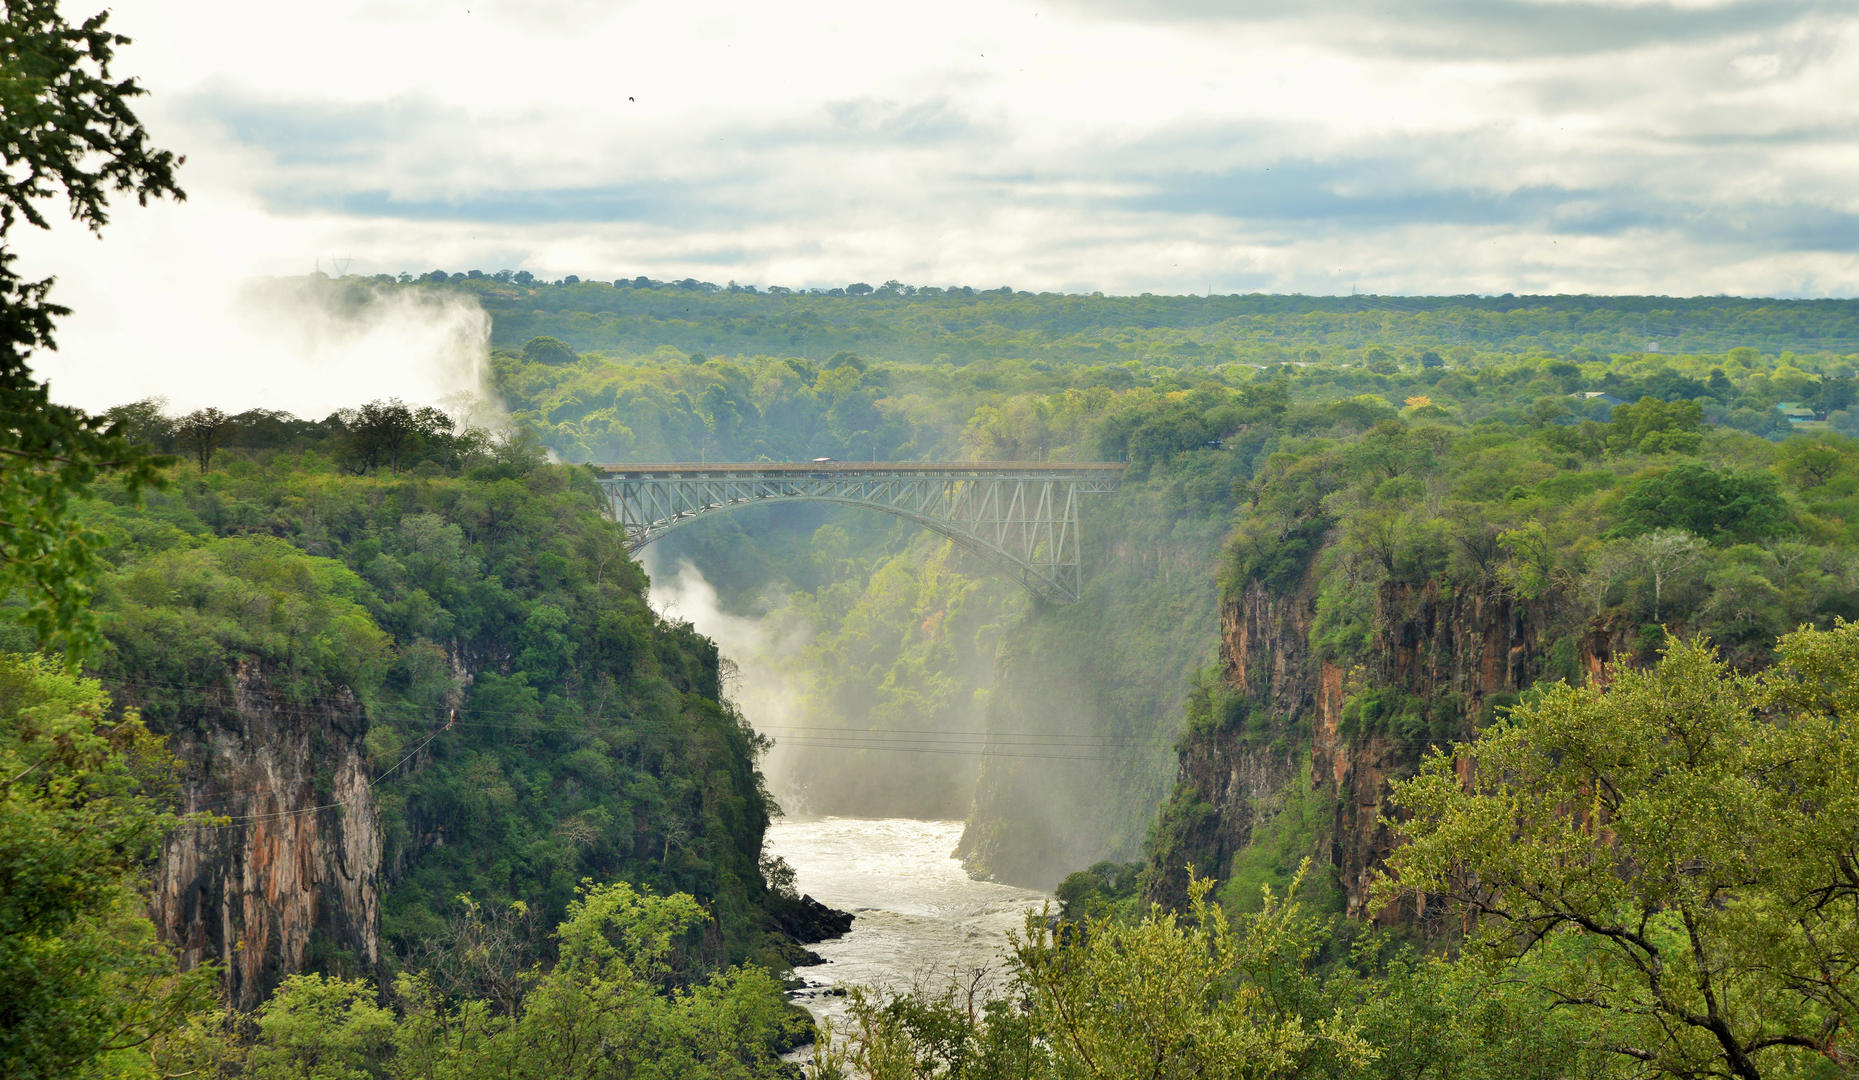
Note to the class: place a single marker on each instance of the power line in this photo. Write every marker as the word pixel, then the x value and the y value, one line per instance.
pixel 804 728
pixel 246 819
pixel 961 753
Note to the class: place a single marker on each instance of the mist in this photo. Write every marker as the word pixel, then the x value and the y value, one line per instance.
pixel 307 346
pixel 761 656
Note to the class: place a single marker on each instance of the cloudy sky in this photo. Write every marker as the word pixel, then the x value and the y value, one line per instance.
pixel 1395 146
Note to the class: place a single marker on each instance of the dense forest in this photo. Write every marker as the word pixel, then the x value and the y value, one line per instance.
pixel 1328 557
pixel 903 633
pixel 1468 682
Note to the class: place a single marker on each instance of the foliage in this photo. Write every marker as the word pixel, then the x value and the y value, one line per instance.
pixel 1276 853
pixel 1165 996
pixel 1673 854
pixel 610 1005
pixel 84 985
pixel 385 432
pixel 184 620
pixel 1105 888
pixel 68 129
pixel 1704 502
pixel 1652 426
pixel 1172 998
pixel 318 1028
pixel 962 325
pixel 485 612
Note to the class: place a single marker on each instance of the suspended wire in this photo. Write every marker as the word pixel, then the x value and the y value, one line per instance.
pixel 945 731
pixel 298 708
pixel 246 819
pixel 822 744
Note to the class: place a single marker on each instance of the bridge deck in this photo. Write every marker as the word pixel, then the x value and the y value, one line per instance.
pixel 854 468
pixel 1024 513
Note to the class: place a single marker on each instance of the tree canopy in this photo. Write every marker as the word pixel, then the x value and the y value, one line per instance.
pixel 67 129
pixel 1674 853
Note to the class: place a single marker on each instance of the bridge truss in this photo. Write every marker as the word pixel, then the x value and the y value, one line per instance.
pixel 1024 515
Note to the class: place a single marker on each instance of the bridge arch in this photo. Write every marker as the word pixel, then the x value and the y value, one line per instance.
pixel 1023 515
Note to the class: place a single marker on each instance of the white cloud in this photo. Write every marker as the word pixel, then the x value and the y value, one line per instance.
pixel 1433 146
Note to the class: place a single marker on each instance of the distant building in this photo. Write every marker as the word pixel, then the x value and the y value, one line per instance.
pixel 1800 415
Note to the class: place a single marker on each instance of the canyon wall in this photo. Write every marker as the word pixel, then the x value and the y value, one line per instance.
pixel 1439 661
pixel 290 875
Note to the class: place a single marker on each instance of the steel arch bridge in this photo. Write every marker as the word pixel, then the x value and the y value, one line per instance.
pixel 1022 514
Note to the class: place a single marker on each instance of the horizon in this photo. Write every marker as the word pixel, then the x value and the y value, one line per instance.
pixel 409 277
pixel 1391 150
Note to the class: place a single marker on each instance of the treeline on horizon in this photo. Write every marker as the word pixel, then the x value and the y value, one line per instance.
pixel 962 324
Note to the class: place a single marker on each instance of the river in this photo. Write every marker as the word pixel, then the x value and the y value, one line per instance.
pixel 918 917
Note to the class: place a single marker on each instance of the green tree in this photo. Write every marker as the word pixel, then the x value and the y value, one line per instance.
pixel 84 985
pixel 67 128
pixel 548 350
pixel 200 431
pixel 613 1004
pixel 1652 426
pixel 1165 997
pixel 1672 855
pixel 319 1028
pixel 1811 462
pixel 1195 996
pixel 1706 502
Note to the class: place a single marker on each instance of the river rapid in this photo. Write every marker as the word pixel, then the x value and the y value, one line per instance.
pixel 918 918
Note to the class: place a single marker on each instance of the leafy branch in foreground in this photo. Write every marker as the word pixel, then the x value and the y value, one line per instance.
pixel 65 127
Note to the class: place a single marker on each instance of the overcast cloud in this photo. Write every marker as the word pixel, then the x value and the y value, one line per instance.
pixel 1396 146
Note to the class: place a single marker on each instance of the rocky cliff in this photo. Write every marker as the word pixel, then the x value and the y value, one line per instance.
pixel 1436 663
pixel 290 877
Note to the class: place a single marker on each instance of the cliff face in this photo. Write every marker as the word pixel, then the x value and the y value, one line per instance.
pixel 1437 661
pixel 294 872
pixel 1455 651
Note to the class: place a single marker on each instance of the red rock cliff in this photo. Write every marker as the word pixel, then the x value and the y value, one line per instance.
pixel 1443 654
pixel 295 869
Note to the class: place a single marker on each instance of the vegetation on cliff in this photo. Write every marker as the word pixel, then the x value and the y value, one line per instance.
pixel 83 806
pixel 472 628
pixel 531 721
pixel 1416 531
pixel 1274 418
pixel 1398 578
pixel 1655 877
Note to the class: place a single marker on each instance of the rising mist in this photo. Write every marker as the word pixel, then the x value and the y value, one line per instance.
pixel 761 663
pixel 307 346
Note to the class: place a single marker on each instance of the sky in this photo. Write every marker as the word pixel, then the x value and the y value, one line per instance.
pixel 1177 146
